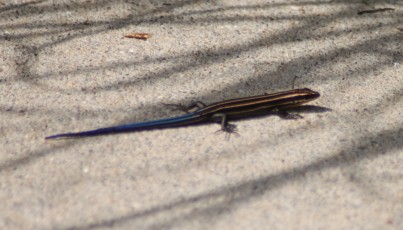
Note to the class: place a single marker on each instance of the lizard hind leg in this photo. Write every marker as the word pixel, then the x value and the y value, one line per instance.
pixel 226 128
pixel 187 109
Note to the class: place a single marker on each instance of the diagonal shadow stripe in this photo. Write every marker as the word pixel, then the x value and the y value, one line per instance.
pixel 228 198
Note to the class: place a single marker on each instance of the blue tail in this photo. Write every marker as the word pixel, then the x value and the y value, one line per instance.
pixel 162 123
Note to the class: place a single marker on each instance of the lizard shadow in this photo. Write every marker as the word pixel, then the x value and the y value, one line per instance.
pixel 260 114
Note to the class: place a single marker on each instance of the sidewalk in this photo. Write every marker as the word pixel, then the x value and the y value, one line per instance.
pixel 65 66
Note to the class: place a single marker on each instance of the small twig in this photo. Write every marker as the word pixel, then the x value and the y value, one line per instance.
pixel 293 81
pixel 374 11
pixel 142 36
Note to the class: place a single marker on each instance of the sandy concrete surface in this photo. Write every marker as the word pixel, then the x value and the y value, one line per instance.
pixel 65 66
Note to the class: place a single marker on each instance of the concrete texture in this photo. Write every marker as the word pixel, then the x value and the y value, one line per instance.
pixel 65 66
